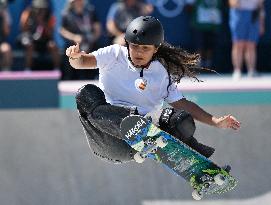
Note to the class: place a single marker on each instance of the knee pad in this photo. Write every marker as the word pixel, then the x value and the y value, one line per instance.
pixel 178 123
pixel 88 98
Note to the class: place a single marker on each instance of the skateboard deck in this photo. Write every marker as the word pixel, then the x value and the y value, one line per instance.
pixel 204 176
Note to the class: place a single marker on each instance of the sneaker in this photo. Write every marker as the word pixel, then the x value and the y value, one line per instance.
pixel 201 148
pixel 227 168
pixel 236 75
pixel 251 74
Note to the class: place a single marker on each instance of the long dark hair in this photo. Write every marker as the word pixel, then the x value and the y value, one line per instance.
pixel 178 62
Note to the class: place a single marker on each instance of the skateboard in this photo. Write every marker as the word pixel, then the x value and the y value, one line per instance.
pixel 204 176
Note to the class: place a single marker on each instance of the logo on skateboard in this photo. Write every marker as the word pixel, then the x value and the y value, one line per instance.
pixel 136 129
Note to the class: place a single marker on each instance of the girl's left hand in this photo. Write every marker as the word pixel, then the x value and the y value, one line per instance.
pixel 228 121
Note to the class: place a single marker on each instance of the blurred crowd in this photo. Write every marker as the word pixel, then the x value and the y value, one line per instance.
pixel 80 24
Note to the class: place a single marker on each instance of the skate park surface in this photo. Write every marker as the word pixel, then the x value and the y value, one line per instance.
pixel 45 159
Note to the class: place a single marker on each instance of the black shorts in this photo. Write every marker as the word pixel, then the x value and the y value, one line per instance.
pixel 101 123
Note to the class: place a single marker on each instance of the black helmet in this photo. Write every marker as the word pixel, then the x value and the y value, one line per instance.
pixel 145 30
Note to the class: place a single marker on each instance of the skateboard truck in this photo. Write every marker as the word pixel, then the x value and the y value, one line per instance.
pixel 207 180
pixel 152 146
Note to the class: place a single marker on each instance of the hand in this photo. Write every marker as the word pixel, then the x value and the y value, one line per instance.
pixel 74 51
pixel 78 38
pixel 227 121
pixel 147 9
pixel 234 3
pixel 120 39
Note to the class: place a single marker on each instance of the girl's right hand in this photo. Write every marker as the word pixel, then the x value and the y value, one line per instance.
pixel 74 51
pixel 234 3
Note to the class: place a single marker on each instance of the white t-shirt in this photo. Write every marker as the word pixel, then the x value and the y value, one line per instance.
pixel 118 76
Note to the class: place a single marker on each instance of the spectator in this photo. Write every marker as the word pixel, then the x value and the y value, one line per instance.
pixel 121 13
pixel 37 25
pixel 81 25
pixel 5 48
pixel 207 19
pixel 247 24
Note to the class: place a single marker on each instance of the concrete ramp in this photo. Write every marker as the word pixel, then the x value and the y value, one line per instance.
pixel 45 159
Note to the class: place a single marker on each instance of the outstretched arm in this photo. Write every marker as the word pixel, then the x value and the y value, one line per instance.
pixel 201 115
pixel 79 59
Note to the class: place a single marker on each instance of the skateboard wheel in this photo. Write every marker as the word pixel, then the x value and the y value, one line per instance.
pixel 219 179
pixel 196 195
pixel 138 158
pixel 161 142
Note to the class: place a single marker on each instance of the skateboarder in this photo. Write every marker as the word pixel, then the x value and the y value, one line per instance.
pixel 137 79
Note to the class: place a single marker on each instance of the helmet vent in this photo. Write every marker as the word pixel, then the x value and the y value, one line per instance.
pixel 135 31
pixel 146 19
